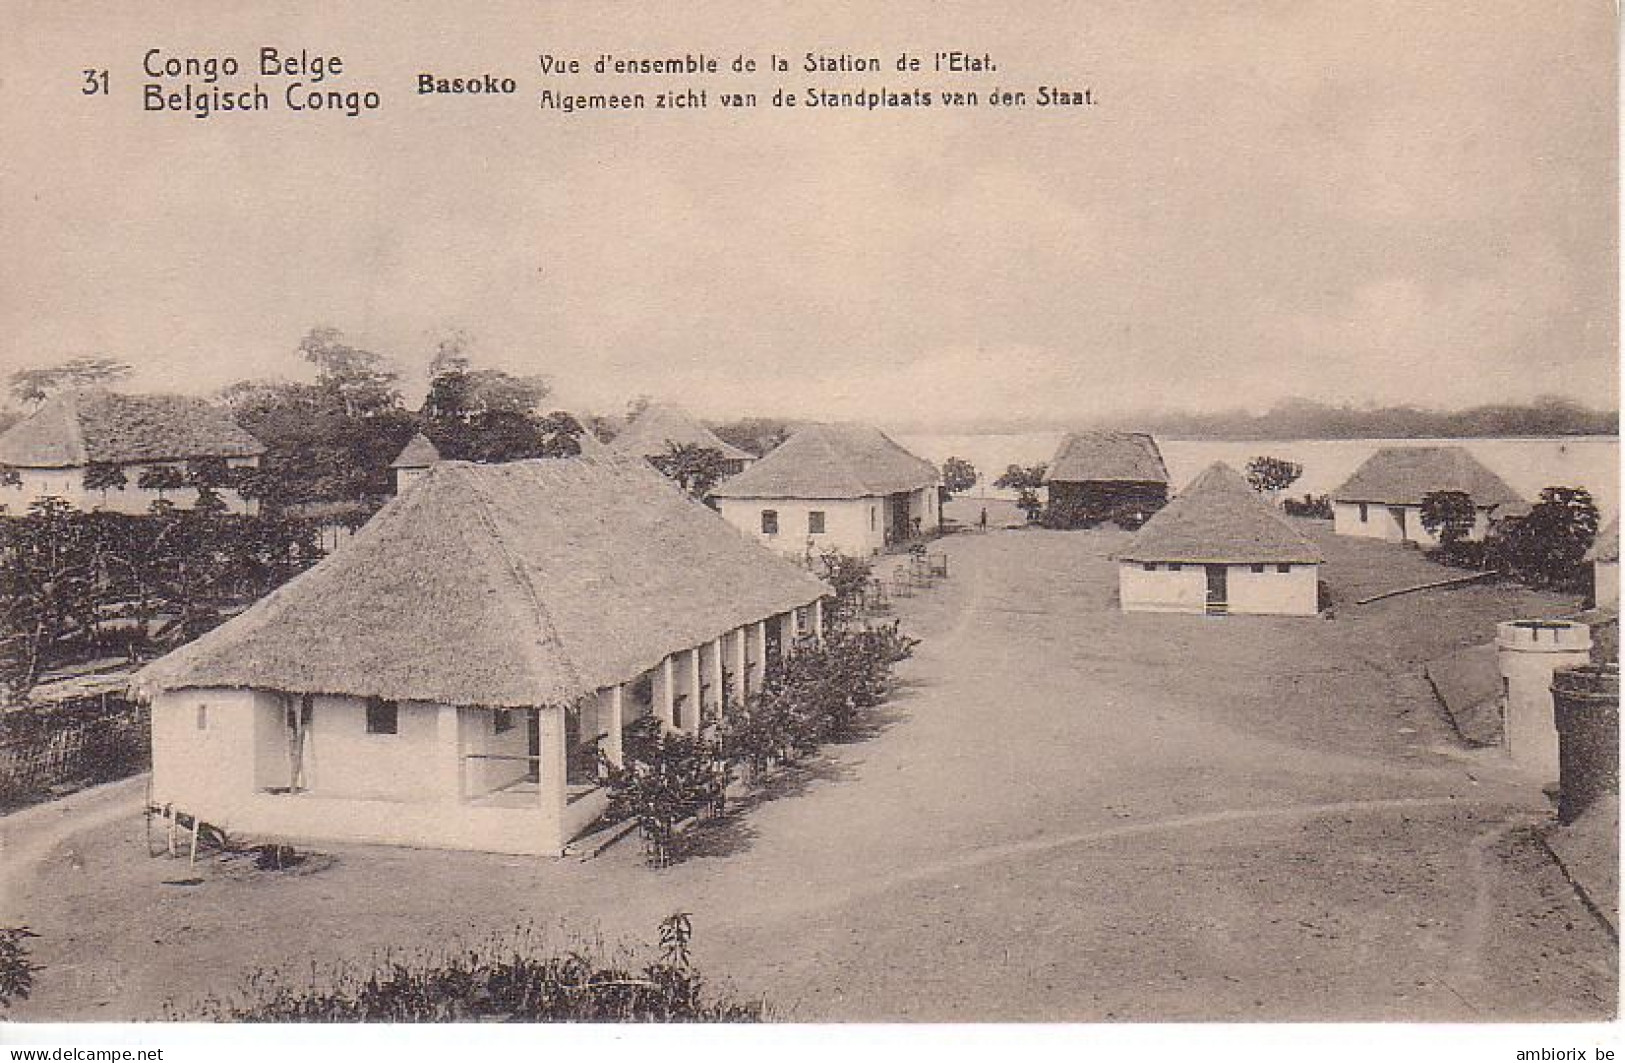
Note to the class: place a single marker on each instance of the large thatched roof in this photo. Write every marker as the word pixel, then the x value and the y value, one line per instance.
pixel 1219 519
pixel 1402 476
pixel 80 427
pixel 528 583
pixel 660 426
pixel 832 461
pixel 1092 457
pixel 418 453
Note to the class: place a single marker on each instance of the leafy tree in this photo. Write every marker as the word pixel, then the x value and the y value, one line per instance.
pixel 360 381
pixel 1449 516
pixel 34 386
pixel 161 478
pixel 490 415
pixel 958 475
pixel 1025 480
pixel 1270 476
pixel 1547 546
pixel 696 469
pixel 104 476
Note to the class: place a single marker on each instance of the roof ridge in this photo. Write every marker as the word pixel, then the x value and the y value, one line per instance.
pixel 516 567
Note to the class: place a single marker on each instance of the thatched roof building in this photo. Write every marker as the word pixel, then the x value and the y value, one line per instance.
pixel 1106 457
pixel 829 461
pixel 661 426
pixel 1220 519
pixel 521 584
pixel 1403 476
pixel 78 428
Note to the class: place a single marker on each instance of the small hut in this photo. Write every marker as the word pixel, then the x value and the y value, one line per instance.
pixel 845 487
pixel 414 460
pixel 1383 499
pixel 448 679
pixel 662 426
pixel 1099 476
pixel 1219 548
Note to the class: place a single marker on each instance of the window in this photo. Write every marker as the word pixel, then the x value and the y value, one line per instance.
pixel 815 522
pixel 1283 568
pixel 871 518
pixel 770 522
pixel 1258 568
pixel 203 717
pixel 1150 566
pixel 1174 567
pixel 383 717
pixel 501 721
pixel 1365 513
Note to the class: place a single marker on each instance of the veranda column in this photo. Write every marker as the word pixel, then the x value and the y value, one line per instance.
pixel 612 718
pixel 691 718
pixel 551 778
pixel 447 761
pixel 665 691
pixel 740 662
pixel 818 619
pixel 717 671
pixel 759 632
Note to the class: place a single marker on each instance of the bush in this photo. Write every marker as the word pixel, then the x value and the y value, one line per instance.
pixel 1546 547
pixel 16 969
pixel 667 777
pixel 507 981
pixel 1316 506
pixel 46 749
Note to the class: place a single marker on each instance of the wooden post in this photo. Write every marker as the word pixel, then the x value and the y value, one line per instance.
pixel 612 714
pixel 551 777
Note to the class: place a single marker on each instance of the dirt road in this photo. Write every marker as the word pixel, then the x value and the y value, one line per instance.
pixel 1066 814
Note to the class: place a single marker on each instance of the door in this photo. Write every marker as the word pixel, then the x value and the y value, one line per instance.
pixel 1398 513
pixel 1218 589
pixel 899 517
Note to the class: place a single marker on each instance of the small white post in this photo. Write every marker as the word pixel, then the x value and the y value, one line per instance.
pixel 691 719
pixel 448 755
pixel 665 691
pixel 612 716
pixel 550 777
pixel 740 663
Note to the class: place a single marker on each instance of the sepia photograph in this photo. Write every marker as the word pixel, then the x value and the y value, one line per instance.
pixel 1082 519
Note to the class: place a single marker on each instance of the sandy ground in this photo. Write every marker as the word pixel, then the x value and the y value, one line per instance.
pixel 1065 814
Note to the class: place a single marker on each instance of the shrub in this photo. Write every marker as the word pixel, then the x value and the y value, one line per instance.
pixel 1546 547
pixel 1316 506
pixel 1270 476
pixel 667 777
pixel 508 980
pixel 16 969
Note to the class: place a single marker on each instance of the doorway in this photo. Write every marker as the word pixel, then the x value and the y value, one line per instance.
pixel 1218 589
pixel 1398 513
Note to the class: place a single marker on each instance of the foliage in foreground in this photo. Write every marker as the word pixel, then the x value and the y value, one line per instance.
pixel 16 969
pixel 812 694
pixel 510 980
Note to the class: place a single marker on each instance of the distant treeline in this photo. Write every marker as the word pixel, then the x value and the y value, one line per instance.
pixel 1307 419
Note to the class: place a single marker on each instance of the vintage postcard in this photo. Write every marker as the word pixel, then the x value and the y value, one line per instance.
pixel 1097 518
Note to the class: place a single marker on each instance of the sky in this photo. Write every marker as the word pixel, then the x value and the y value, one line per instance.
pixel 1364 203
